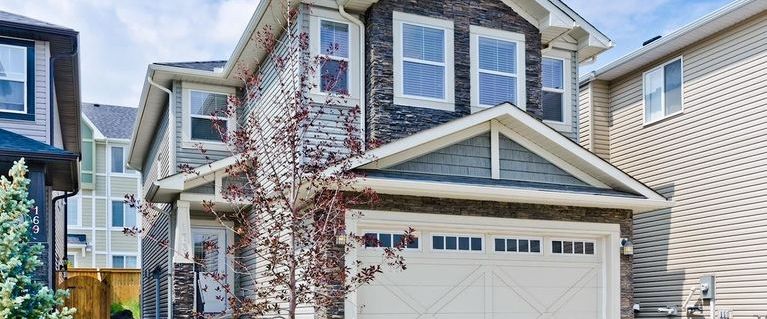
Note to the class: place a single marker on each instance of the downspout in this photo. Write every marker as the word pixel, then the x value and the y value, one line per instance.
pixel 52 85
pixel 171 127
pixel 361 64
pixel 65 196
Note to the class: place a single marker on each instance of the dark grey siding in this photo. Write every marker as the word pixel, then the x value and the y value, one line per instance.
pixel 518 163
pixel 190 156
pixel 155 257
pixel 157 143
pixel 470 157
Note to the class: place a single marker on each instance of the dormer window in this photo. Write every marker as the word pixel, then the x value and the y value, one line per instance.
pixel 17 79
pixel 334 46
pixel 497 67
pixel 423 62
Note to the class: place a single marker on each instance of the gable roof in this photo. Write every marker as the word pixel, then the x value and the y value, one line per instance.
pixel 27 22
pixel 609 186
pixel 716 21
pixel 196 65
pixel 110 120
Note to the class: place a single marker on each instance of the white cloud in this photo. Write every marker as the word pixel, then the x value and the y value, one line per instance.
pixel 118 39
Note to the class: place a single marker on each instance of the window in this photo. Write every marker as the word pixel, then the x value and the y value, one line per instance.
pixel 88 150
pixel 118 159
pixel 572 247
pixel 334 48
pixel 73 211
pixel 387 240
pixel 123 215
pixel 497 63
pixel 17 79
pixel 553 99
pixel 207 108
pixel 71 260
pixel 456 243
pixel 124 262
pixel 518 245
pixel 423 61
pixel 663 91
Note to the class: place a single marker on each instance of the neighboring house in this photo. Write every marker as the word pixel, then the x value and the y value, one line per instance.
pixel 39 120
pixel 97 216
pixel 686 115
pixel 514 218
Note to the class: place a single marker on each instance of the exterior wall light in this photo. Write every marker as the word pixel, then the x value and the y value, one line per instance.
pixel 627 247
pixel 341 240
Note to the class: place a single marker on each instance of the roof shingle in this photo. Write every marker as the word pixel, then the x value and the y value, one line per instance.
pixel 111 120
pixel 196 65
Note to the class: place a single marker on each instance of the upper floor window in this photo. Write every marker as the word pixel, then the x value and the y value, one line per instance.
pixel 87 156
pixel 207 115
pixel 73 211
pixel 118 159
pixel 16 79
pixel 663 91
pixel 423 61
pixel 497 63
pixel 124 262
pixel 553 86
pixel 123 215
pixel 334 48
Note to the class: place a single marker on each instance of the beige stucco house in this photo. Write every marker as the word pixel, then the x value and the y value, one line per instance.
pixel 686 115
pixel 98 214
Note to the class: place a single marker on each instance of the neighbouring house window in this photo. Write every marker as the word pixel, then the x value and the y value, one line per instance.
pixel 16 79
pixel 518 245
pixel 423 61
pixel 124 262
pixel 334 48
pixel 572 247
pixel 73 211
pixel 122 214
pixel 497 63
pixel 87 160
pixel 456 243
pixel 388 240
pixel 71 261
pixel 663 91
pixel 118 159
pixel 207 108
pixel 553 99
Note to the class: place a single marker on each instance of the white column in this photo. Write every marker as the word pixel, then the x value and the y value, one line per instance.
pixel 182 243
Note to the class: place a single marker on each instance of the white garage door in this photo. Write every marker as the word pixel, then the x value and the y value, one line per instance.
pixel 470 267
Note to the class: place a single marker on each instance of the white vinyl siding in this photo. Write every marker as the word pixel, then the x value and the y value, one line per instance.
pixel 710 162
pixel 663 91
pixel 423 62
pixel 497 67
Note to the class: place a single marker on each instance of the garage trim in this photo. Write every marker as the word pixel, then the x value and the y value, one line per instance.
pixel 465 224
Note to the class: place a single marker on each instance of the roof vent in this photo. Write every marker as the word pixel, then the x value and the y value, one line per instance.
pixel 651 40
pixel 96 104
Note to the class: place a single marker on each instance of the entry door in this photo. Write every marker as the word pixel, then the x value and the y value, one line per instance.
pixel 209 253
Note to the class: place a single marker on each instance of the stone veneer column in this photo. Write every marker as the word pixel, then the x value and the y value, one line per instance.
pixel 183 265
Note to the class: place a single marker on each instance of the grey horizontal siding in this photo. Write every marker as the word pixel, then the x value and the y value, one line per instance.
pixel 154 259
pixel 519 163
pixel 470 157
pixel 710 160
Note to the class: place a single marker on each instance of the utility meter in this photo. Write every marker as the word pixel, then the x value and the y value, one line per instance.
pixel 707 287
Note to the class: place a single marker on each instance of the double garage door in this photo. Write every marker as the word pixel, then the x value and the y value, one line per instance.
pixel 476 267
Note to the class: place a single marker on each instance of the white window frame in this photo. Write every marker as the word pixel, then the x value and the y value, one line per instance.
pixel 400 98
pixel 187 141
pixel 73 260
pixel 22 79
pixel 79 211
pixel 567 103
pixel 517 238
pixel 126 206
pixel 458 235
pixel 519 39
pixel 663 92
pixel 393 232
pixel 353 61
pixel 584 241
pixel 111 164
pixel 124 255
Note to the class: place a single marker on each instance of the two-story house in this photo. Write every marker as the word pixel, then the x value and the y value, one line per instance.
pixel 475 104
pixel 685 114
pixel 97 216
pixel 39 121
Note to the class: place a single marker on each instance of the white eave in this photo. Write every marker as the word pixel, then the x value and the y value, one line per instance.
pixel 690 34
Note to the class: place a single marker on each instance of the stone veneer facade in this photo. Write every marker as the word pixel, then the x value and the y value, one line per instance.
pixel 183 290
pixel 386 121
pixel 445 206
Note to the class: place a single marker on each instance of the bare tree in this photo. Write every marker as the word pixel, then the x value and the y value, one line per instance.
pixel 287 193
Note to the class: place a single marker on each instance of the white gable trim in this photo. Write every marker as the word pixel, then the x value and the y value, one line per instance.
pixel 97 135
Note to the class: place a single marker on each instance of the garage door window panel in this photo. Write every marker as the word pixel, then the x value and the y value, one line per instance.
pixel 388 240
pixel 573 247
pixel 517 245
pixel 453 242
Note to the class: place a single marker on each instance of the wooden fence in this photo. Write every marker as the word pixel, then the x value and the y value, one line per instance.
pixel 92 290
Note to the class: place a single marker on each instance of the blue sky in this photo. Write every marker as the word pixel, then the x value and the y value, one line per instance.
pixel 120 38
